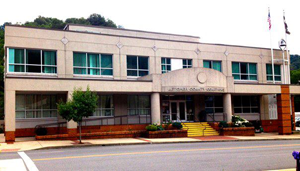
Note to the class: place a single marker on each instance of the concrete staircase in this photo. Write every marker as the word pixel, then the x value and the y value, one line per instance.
pixel 197 129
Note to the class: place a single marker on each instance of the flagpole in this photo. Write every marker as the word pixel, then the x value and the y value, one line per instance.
pixel 273 74
pixel 288 61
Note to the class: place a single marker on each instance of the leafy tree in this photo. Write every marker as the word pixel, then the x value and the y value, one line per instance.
pixel 98 20
pixel 77 21
pixel 295 62
pixel 295 76
pixel 81 105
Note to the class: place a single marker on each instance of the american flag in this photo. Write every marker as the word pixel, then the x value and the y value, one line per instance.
pixel 285 25
pixel 269 20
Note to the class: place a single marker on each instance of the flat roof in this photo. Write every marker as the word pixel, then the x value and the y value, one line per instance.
pixel 142 37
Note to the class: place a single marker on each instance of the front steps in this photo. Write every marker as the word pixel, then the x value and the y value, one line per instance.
pixel 197 129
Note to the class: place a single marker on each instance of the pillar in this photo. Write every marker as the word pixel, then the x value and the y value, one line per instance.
pixel 10 116
pixel 71 125
pixel 155 108
pixel 284 111
pixel 293 113
pixel 227 106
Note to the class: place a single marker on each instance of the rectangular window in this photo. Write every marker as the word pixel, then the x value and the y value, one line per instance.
pixel 165 65
pixel 138 105
pixel 105 106
pixel 36 106
pixel 244 71
pixel 137 66
pixel 32 61
pixel 246 104
pixel 171 64
pixel 92 64
pixel 277 71
pixel 216 65
pixel 214 104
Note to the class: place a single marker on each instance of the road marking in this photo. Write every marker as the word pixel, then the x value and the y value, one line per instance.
pixel 12 164
pixel 169 151
pixel 28 162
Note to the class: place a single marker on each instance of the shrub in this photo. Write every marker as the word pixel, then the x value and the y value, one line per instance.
pixel 177 125
pixel 223 124
pixel 1 131
pixel 160 128
pixel 240 122
pixel 41 131
pixel 151 128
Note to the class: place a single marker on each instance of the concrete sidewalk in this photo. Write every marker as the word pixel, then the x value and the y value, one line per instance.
pixel 25 144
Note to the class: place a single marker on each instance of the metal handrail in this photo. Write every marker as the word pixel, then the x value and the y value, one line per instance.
pixel 59 125
pixel 213 116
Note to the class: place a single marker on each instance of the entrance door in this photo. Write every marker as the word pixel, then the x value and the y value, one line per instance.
pixel 178 110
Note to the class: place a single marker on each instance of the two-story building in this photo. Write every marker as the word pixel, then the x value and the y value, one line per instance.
pixel 141 77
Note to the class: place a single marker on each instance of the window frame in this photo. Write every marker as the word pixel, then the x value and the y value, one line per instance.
pixel 211 64
pixel 271 75
pixel 100 109
pixel 87 67
pixel 137 65
pixel 250 107
pixel 247 74
pixel 41 65
pixel 36 110
pixel 214 104
pixel 187 65
pixel 166 65
pixel 138 108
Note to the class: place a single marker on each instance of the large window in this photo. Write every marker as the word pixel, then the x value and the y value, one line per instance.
pixel 246 104
pixel 277 72
pixel 105 106
pixel 138 105
pixel 171 64
pixel 216 65
pixel 214 104
pixel 36 106
pixel 137 66
pixel 244 71
pixel 32 61
pixel 92 64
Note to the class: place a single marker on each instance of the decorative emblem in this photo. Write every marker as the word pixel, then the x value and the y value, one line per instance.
pixel 64 40
pixel 202 78
pixel 226 53
pixel 261 55
pixel 154 48
pixel 197 51
pixel 119 45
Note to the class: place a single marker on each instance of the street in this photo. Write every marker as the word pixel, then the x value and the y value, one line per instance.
pixel 243 155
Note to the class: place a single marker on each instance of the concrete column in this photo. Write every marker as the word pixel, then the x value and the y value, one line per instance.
pixel 71 125
pixel 284 111
pixel 155 108
pixel 10 116
pixel 227 106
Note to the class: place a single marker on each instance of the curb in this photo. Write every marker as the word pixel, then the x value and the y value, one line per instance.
pixel 146 143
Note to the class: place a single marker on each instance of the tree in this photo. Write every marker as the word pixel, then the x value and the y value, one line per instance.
pixel 82 105
pixel 295 76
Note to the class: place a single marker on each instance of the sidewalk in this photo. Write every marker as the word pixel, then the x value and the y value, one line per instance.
pixel 25 144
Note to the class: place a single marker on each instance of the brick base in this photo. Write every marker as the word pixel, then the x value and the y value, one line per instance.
pixel 10 137
pixel 72 133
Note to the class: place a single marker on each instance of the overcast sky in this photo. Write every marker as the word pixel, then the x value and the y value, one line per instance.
pixel 233 22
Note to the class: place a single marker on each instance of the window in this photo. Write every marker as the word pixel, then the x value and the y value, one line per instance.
pixel 32 61
pixel 92 64
pixel 244 71
pixel 165 65
pixel 137 66
pixel 214 104
pixel 171 64
pixel 187 63
pixel 105 106
pixel 277 71
pixel 246 104
pixel 36 106
pixel 216 65
pixel 138 105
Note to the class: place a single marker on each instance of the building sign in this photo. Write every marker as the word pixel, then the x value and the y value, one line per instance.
pixel 193 89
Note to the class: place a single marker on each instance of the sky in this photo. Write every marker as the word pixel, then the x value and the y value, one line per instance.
pixel 232 22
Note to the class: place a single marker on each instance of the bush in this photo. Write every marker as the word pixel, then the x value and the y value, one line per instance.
pixel 1 131
pixel 151 128
pixel 177 125
pixel 237 121
pixel 223 124
pixel 41 131
pixel 160 128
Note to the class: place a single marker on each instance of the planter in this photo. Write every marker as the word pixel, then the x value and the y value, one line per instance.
pixel 238 131
pixel 166 134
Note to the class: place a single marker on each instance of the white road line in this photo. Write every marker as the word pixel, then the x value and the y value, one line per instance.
pixel 28 162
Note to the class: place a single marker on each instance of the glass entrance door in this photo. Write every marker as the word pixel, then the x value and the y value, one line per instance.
pixel 178 110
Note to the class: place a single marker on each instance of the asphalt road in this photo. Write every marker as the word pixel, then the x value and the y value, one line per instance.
pixel 246 155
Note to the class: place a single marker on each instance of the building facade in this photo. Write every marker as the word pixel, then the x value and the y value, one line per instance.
pixel 146 77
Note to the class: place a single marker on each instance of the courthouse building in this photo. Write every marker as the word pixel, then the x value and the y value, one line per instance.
pixel 141 77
